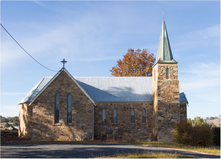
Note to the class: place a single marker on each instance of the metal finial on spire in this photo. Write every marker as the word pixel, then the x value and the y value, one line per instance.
pixel 163 14
pixel 63 61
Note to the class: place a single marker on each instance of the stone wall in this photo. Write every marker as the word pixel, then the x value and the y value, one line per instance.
pixel 123 130
pixel 183 112
pixel 44 127
pixel 166 102
pixel 25 117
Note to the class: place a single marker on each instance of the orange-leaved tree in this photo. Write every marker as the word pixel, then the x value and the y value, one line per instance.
pixel 134 63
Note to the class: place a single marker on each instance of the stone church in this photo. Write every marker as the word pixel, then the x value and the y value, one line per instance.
pixel 67 108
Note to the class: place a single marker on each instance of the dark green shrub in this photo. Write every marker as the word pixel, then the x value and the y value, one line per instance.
pixel 203 135
pixel 6 125
pixel 15 124
pixel 198 135
pixel 216 135
pixel 183 133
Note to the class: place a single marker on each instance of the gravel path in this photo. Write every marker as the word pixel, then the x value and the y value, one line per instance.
pixel 83 150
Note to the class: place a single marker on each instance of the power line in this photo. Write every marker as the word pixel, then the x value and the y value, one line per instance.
pixel 25 50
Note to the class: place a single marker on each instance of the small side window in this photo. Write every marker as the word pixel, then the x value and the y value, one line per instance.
pixel 167 73
pixel 144 116
pixel 132 116
pixel 103 116
pixel 69 110
pixel 56 114
pixel 115 116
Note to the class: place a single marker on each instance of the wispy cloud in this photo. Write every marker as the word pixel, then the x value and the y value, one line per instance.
pixel 200 75
pixel 96 59
pixel 89 36
pixel 62 10
pixel 206 37
pixel 12 94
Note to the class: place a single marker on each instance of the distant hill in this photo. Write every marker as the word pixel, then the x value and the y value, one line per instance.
pixel 213 120
pixel 9 119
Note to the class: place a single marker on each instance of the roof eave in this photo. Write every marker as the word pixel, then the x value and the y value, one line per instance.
pixel 166 62
pixel 80 87
pixel 59 72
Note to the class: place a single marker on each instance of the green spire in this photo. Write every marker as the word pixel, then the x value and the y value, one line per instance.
pixel 164 53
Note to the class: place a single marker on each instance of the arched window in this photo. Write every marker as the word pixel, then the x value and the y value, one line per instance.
pixel 144 115
pixel 167 73
pixel 115 116
pixel 56 114
pixel 103 116
pixel 69 110
pixel 132 116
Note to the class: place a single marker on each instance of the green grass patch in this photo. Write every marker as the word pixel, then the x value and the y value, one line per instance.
pixel 153 155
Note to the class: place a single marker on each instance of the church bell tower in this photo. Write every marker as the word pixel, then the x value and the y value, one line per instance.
pixel 165 88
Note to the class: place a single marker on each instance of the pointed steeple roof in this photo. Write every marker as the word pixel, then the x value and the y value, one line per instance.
pixel 164 53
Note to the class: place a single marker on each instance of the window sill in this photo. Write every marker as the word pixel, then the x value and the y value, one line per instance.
pixel 57 124
pixel 108 123
pixel 69 124
pixel 102 123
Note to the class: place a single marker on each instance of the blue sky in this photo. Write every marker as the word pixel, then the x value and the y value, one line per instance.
pixel 93 35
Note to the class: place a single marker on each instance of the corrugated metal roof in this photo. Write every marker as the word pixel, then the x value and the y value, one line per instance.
pixel 35 90
pixel 183 96
pixel 109 89
pixel 117 89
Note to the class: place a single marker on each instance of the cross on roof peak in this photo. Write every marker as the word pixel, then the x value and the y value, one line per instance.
pixel 63 61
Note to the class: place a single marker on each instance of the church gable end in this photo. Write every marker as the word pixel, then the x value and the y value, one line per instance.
pixel 51 120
